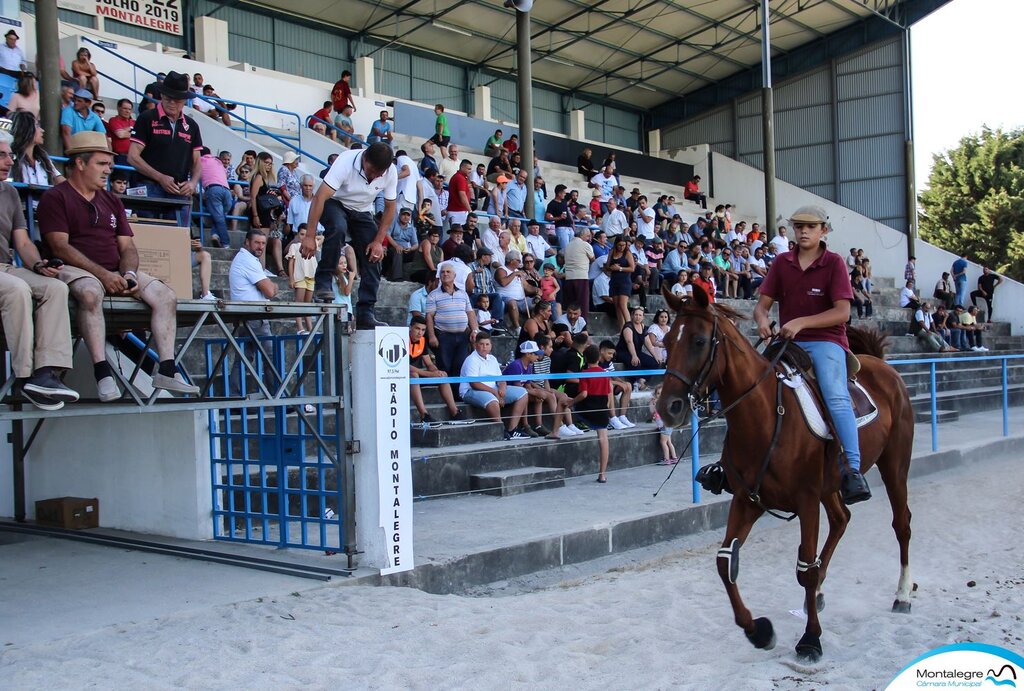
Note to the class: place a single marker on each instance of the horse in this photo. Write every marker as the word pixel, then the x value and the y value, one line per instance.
pixel 773 462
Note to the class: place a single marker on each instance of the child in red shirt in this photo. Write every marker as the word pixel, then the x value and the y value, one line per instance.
pixel 593 402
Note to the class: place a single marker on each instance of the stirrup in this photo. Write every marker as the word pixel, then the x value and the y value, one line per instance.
pixel 712 477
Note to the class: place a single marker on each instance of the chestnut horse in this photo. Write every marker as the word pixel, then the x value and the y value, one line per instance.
pixel 707 351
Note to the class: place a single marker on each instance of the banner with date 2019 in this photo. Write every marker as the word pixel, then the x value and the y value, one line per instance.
pixel 394 462
pixel 159 15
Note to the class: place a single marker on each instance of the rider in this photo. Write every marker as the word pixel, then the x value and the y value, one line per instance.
pixel 814 294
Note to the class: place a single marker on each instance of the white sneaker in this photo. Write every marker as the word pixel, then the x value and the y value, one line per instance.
pixel 626 421
pixel 575 430
pixel 107 389
pixel 209 297
pixel 565 431
pixel 975 348
pixel 617 423
pixel 982 349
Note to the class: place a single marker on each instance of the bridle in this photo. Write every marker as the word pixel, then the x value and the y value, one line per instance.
pixel 697 401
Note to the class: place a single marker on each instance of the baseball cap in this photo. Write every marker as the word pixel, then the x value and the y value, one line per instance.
pixel 83 93
pixel 528 347
pixel 405 211
pixel 502 178
pixel 809 214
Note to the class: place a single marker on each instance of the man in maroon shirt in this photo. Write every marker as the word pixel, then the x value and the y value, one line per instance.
pixel 86 227
pixel 814 294
pixel 341 94
pixel 459 195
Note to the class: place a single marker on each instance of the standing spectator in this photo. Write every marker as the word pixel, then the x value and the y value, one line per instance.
pixel 119 129
pixel 298 208
pixel 987 283
pixel 428 162
pixel 478 181
pixel 402 245
pixel 345 201
pixel 497 203
pixel 622 390
pixel 33 303
pixel 558 213
pixel 85 226
pixel 492 396
pixel 381 131
pixel 604 182
pixel 493 146
pixel 267 209
pixel 300 276
pixel 408 181
pixel 321 119
pixel 644 218
pixel 668 451
pixel 451 163
pixel 614 221
pixel 593 402
pixel 910 270
pixel 288 178
pixel 26 97
pixel 619 268
pixel 944 291
pixel 216 196
pixel 32 164
pixel 442 135
pixel 959 271
pixel 344 128
pixel 451 321
pixel 693 193
pixel 165 147
pixel 79 117
pixel 421 364
pixel 585 165
pixel 459 195
pixel 515 195
pixel 12 59
pixel 341 94
pixel 431 189
pixel 579 254
pixel 654 251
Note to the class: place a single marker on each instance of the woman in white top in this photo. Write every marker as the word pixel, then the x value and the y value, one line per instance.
pixel 26 97
pixel 654 339
pixel 511 286
pixel 682 286
pixel 33 164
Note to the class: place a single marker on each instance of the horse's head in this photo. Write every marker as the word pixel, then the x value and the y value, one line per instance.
pixel 693 344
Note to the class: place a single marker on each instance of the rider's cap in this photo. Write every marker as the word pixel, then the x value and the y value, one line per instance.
pixel 809 214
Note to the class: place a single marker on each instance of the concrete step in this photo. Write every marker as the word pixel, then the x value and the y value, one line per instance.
pixel 940 415
pixel 506 483
pixel 445 435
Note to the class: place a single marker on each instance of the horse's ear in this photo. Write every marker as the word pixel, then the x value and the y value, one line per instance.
pixel 700 297
pixel 675 302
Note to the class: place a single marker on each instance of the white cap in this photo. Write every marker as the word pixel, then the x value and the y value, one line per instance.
pixel 529 347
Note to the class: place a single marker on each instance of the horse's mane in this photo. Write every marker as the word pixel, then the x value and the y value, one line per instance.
pixel 692 310
pixel 867 341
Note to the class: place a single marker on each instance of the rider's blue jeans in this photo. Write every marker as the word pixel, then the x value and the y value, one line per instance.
pixel 830 370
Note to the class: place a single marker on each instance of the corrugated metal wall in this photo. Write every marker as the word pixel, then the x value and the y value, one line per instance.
pixel 839 132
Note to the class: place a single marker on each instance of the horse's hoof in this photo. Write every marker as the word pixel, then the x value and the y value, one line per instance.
pixel 809 648
pixel 899 607
pixel 764 634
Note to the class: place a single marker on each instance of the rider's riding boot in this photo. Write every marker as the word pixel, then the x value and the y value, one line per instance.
pixel 854 488
pixel 712 477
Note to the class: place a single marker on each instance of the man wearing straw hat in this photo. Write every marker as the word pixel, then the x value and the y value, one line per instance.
pixel 85 226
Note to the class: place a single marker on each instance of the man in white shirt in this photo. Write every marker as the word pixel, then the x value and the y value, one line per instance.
pixel 408 179
pixel 537 245
pixel 492 396
pixel 451 164
pixel 573 318
pixel 780 243
pixel 578 257
pixel 605 182
pixel 458 264
pixel 248 282
pixel 644 217
pixel 614 222
pixel 12 59
pixel 298 207
pixel 345 202
pixel 489 237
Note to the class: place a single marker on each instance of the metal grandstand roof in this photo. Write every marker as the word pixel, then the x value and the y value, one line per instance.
pixel 641 52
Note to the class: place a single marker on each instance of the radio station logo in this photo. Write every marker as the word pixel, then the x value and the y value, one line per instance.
pixel 392 350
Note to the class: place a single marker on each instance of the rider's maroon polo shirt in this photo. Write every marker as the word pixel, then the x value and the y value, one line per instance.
pixel 802 293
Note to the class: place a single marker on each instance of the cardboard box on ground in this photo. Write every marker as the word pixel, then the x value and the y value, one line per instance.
pixel 165 252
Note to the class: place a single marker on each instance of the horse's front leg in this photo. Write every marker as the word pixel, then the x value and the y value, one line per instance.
pixel 807 574
pixel 742 515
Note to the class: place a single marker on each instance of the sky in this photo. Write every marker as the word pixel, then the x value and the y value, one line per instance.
pixel 965 62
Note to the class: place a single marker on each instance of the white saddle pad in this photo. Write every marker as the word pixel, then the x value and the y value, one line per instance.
pixel 809 404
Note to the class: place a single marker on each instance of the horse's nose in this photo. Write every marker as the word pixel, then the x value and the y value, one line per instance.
pixel 676 407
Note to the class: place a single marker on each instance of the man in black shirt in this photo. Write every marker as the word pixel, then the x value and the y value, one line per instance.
pixel 165 145
pixel 558 213
pixel 499 165
pixel 987 283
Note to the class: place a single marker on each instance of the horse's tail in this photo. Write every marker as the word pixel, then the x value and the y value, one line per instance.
pixel 867 341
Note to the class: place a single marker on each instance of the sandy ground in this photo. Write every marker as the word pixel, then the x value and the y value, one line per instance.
pixel 652 620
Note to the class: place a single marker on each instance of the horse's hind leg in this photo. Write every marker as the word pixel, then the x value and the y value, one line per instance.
pixel 838 518
pixel 894 466
pixel 808 574
pixel 742 515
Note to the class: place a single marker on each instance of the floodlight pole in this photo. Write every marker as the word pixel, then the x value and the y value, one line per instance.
pixel 767 121
pixel 48 69
pixel 525 70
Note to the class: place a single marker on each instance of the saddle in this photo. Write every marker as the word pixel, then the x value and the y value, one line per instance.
pixel 795 363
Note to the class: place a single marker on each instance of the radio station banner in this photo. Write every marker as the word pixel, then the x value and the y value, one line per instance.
pixel 159 15
pixel 394 463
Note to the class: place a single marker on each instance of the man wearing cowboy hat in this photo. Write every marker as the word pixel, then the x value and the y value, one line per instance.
pixel 85 226
pixel 12 59
pixel 165 148
pixel 79 117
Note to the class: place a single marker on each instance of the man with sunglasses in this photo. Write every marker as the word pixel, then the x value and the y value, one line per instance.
pixel 344 205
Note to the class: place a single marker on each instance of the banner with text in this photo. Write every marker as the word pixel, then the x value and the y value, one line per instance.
pixel 159 15
pixel 394 464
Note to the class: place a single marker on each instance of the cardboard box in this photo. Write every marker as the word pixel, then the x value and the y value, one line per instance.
pixel 166 253
pixel 73 513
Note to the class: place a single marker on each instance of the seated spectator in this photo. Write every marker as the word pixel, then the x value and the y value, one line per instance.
pixel 641 278
pixel 32 165
pixel 80 118
pixel 673 263
pixel 298 207
pixel 484 318
pixel 654 340
pixel 288 177
pixel 418 300
pixel 453 242
pixel 33 303
pixel 693 193
pixel 345 129
pixel 681 286
pixel 511 145
pixel 451 321
pixel 484 284
pixel 705 281
pixel 511 286
pixel 910 301
pixel 987 283
pixel 558 402
pixel 944 291
pixel 758 269
pixel 573 319
pixel 535 243
pixel 630 349
pixel 972 330
pixel 210 107
pixel 26 97
pixel 654 253
pixel 493 146
pixel 402 244
pixel 478 181
pixel 861 297
pixel 85 226
pixel 451 164
pixel 490 237
pixel 957 334
pixel 427 258
pixel 924 329
pixel 940 324
pixel 613 221
pixel 499 166
pixel 421 364
pixel 538 324
pixel 381 130
pixel 321 119
pixel 84 72
pixel 492 396
pixel 585 165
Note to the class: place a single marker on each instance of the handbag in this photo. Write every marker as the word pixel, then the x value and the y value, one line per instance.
pixel 269 201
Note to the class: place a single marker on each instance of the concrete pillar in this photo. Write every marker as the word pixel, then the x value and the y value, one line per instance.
pixel 211 36
pixel 654 143
pixel 48 71
pixel 482 103
pixel 364 77
pixel 577 125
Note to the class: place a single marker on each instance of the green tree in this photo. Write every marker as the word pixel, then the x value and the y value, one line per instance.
pixel 975 200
